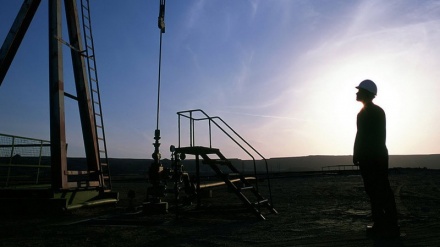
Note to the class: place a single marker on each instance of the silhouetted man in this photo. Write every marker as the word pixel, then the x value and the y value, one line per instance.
pixel 371 155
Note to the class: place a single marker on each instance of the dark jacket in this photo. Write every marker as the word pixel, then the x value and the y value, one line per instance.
pixel 369 145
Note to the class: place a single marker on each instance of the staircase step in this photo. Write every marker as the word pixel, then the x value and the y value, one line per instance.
pixel 235 181
pixel 246 188
pixel 216 162
pixel 263 201
pixel 197 150
pixel 73 173
pixel 83 184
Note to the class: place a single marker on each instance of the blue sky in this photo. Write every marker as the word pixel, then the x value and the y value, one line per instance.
pixel 281 73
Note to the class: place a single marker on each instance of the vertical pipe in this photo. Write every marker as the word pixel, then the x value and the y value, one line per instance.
pixel 178 129
pixel 10 161
pixel 198 180
pixel 194 132
pixel 190 130
pixel 39 161
pixel 210 138
pixel 56 99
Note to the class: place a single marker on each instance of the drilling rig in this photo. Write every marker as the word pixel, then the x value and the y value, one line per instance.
pixel 68 188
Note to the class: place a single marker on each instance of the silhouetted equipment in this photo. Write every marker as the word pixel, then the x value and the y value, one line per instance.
pixel 24 161
pixel 92 73
pixel 75 188
pixel 246 190
pixel 340 169
pixel 16 34
pixel 161 18
pixel 157 174
pixel 93 182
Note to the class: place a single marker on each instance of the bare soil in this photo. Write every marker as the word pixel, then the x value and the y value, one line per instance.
pixel 315 210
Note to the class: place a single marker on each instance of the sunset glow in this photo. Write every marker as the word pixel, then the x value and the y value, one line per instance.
pixel 281 73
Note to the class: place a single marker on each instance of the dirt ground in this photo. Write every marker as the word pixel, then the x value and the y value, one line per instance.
pixel 317 210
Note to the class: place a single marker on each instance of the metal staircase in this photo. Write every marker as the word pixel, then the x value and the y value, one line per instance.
pixel 247 191
pixel 89 54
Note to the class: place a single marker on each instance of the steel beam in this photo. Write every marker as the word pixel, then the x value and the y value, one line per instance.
pixel 16 34
pixel 56 98
pixel 82 87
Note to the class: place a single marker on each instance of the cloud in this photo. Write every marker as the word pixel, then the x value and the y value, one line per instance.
pixel 254 7
pixel 265 116
pixel 194 13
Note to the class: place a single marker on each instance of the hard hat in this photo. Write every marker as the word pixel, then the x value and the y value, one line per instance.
pixel 368 85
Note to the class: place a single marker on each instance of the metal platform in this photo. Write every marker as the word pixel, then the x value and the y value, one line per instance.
pixel 37 201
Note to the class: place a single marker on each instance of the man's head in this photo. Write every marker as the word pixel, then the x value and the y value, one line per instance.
pixel 367 91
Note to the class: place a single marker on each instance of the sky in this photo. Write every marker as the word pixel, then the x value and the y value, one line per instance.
pixel 281 73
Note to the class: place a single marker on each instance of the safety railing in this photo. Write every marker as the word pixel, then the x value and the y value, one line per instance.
pixel 24 161
pixel 226 130
pixel 340 168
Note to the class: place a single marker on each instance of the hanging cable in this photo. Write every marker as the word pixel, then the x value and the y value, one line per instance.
pixel 161 25
pixel 156 172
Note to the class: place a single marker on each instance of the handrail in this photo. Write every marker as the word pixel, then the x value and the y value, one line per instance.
pixel 10 143
pixel 212 119
pixel 328 168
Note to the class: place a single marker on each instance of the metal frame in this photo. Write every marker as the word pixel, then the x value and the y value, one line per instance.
pixel 229 132
pixel 16 34
pixel 56 83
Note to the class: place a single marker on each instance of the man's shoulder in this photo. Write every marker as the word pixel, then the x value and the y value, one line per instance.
pixel 376 109
pixel 371 109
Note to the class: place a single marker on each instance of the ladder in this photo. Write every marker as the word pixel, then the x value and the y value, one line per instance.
pixel 244 190
pixel 89 54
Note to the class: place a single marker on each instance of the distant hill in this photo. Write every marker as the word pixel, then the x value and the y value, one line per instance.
pixel 315 163
pixel 431 161
pixel 284 164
